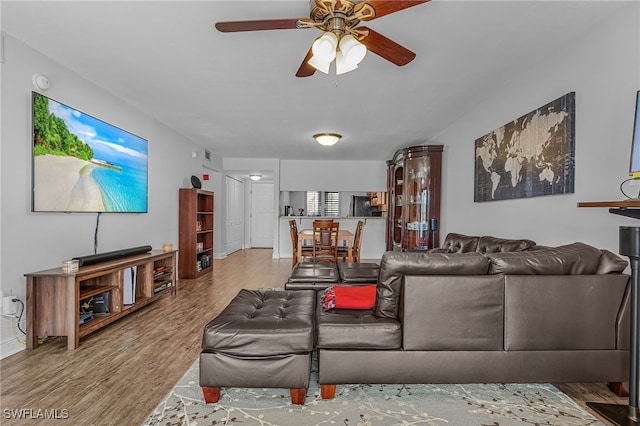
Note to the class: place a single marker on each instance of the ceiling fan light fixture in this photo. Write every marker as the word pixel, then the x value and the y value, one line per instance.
pixel 353 51
pixel 324 47
pixel 327 139
pixel 255 176
pixel 320 64
pixel 342 66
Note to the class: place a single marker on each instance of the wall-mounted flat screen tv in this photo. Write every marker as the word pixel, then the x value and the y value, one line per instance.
pixel 634 164
pixel 82 164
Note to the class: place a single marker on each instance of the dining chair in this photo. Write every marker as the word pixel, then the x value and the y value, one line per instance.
pixel 343 252
pixel 307 251
pixel 325 241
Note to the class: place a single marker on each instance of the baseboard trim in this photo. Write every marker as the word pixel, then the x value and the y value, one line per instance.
pixel 9 347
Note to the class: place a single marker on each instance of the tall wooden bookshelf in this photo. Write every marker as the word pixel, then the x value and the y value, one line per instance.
pixel 196 232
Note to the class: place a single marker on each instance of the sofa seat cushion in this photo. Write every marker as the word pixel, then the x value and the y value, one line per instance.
pixel 355 329
pixel 263 323
pixel 570 259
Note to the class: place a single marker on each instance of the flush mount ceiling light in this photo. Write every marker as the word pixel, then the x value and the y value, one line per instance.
pixel 255 176
pixel 327 139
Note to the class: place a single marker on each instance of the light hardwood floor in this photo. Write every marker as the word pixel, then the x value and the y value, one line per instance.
pixel 119 374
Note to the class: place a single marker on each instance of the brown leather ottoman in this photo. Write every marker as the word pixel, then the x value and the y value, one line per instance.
pixel 357 273
pixel 313 276
pixel 261 339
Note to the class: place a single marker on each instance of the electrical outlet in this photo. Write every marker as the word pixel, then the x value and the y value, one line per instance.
pixel 9 307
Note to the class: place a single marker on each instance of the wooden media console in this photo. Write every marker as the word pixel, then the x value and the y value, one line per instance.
pixel 54 298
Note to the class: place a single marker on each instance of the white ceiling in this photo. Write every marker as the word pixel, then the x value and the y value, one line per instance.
pixel 237 95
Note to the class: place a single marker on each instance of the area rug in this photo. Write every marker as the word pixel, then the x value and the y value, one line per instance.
pixel 456 405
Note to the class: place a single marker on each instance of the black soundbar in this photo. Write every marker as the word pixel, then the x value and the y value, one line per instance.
pixel 111 255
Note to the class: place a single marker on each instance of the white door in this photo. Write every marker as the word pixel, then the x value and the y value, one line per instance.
pixel 233 209
pixel 262 215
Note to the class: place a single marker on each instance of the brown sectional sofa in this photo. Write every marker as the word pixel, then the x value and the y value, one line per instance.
pixel 484 309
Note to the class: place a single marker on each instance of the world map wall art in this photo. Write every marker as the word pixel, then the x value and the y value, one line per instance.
pixel 531 156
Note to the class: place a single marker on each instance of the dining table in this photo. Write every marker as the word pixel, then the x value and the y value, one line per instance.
pixel 343 235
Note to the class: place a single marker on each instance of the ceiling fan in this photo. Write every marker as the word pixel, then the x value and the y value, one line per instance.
pixel 342 38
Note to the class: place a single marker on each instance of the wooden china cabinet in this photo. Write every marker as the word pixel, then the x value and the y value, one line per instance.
pixel 413 188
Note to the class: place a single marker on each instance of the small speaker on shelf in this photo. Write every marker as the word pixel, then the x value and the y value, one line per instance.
pixel 195 182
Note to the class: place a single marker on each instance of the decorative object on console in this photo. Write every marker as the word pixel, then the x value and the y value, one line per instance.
pixel 531 156
pixel 195 182
pixel 342 40
pixel 70 266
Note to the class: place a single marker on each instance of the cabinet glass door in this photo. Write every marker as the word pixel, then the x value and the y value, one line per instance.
pixel 417 203
pixel 398 202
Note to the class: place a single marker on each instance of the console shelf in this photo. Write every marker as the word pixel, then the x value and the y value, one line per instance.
pixel 54 298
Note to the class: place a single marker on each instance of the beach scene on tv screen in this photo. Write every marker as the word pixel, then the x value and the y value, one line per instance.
pixel 82 164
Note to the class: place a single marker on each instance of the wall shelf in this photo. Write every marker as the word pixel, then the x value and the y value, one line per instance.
pixel 626 208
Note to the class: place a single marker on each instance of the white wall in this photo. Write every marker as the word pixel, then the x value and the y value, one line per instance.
pixel 36 241
pixel 316 175
pixel 603 68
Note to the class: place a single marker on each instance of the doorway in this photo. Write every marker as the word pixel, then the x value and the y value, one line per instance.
pixel 262 215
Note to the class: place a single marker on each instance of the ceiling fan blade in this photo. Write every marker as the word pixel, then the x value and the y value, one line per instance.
pixel 305 69
pixel 386 48
pixel 385 7
pixel 258 25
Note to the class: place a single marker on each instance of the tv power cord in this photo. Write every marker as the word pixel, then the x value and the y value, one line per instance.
pixel 17 319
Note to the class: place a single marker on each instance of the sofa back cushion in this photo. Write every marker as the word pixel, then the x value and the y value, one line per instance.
pixel 570 259
pixel 459 243
pixel 611 263
pixel 488 244
pixel 395 265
